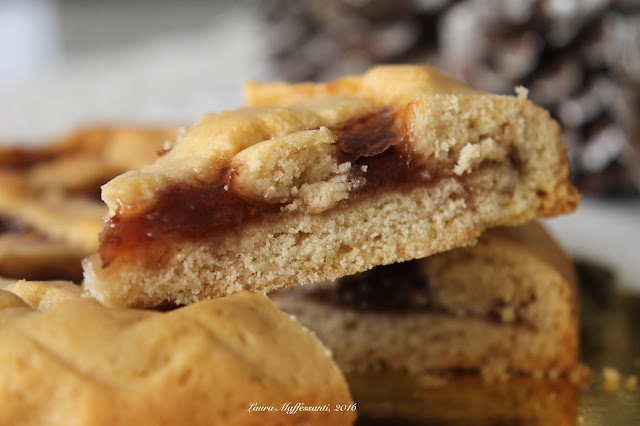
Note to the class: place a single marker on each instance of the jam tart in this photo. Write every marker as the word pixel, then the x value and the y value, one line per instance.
pixel 317 181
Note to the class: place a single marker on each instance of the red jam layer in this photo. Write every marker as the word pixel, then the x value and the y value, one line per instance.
pixel 399 287
pixel 199 210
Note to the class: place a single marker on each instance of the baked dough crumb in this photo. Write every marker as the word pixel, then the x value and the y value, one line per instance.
pixel 580 375
pixel 472 155
pixel 431 381
pixel 495 372
pixel 610 379
pixel 553 374
pixel 631 383
pixel 522 92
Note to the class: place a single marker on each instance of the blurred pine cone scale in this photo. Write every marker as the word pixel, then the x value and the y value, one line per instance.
pixel 580 59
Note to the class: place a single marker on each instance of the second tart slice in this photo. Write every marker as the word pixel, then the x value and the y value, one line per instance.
pixel 399 163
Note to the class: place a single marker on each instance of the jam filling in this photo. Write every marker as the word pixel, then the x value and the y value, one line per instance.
pixel 210 207
pixel 399 287
pixel 370 135
pixel 182 210
pixel 375 144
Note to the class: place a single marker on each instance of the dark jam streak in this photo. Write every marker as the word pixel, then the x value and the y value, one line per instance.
pixel 392 288
pixel 375 144
pixel 370 135
pixel 402 288
pixel 184 210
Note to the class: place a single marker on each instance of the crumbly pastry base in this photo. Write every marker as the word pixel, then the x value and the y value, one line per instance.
pixel 488 161
pixel 298 248
pixel 75 361
pixel 500 306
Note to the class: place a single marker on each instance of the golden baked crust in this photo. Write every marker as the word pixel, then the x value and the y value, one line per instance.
pixel 507 304
pixel 42 295
pixel 399 163
pixel 87 157
pixel 429 94
pixel 77 362
pixel 392 85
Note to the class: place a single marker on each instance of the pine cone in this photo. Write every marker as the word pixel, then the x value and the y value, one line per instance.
pixel 580 59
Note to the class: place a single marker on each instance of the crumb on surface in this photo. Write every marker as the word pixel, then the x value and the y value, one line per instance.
pixel 537 374
pixel 430 381
pixel 579 375
pixel 553 374
pixel 508 314
pixel 495 372
pixel 631 383
pixel 610 379
pixel 522 92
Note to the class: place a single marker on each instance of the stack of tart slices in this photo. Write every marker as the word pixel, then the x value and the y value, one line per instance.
pixel 391 213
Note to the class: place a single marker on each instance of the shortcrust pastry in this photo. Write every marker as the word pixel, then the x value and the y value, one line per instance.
pixel 88 157
pixel 318 181
pixel 507 304
pixel 65 359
